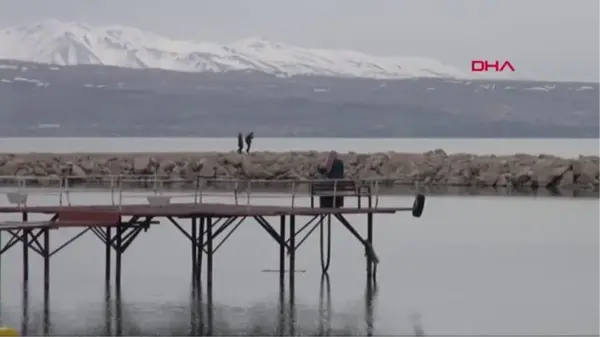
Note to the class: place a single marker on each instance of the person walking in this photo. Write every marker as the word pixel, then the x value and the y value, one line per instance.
pixel 249 138
pixel 240 142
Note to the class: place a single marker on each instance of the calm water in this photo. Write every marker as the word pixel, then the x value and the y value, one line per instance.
pixel 470 265
pixel 560 147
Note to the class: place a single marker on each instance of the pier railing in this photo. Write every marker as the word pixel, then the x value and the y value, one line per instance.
pixel 158 189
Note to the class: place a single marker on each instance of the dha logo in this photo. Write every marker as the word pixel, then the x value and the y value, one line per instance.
pixel 485 66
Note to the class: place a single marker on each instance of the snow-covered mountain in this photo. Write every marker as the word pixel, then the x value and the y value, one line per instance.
pixel 74 43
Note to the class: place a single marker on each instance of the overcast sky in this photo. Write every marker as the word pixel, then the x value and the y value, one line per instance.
pixel 543 39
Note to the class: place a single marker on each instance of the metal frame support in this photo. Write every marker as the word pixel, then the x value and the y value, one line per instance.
pixel 30 239
pixel 282 248
pixel 204 231
pixel 125 234
pixel 372 259
pixel 292 276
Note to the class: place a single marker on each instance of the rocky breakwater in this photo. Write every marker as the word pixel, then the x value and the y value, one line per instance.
pixel 430 168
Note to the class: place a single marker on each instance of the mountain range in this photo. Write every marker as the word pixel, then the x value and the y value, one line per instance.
pixel 76 43
pixel 72 79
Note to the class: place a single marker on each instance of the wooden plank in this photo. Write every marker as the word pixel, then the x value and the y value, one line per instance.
pixel 105 218
pixel 61 224
pixel 13 225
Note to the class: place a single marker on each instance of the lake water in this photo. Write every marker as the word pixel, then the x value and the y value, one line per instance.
pixel 469 265
pixel 559 147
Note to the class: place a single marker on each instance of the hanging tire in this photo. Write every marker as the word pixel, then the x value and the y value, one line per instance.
pixel 418 205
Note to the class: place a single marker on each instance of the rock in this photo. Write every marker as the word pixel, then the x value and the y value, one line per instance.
pixel 167 166
pixel 141 165
pixel 567 179
pixel 430 168
pixel 523 177
pixel 39 171
pixel 586 173
pixel 206 169
pixel 77 171
pixel 487 179
pixel 87 164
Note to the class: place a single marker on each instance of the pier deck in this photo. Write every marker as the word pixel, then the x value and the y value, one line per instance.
pixel 189 210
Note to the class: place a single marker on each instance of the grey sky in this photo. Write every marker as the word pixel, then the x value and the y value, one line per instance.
pixel 543 39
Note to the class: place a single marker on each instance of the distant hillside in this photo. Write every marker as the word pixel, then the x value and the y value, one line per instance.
pixel 47 100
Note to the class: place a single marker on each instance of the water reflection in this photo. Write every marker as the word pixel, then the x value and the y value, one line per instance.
pixel 107 311
pixel 417 325
pixel 25 313
pixel 325 306
pixel 280 318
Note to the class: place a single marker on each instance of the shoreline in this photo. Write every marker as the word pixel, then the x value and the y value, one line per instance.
pixel 432 168
pixel 566 148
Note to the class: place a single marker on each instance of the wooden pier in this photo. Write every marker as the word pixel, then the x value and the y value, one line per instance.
pixel 207 227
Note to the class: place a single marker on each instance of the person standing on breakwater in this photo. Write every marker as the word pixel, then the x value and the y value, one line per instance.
pixel 334 168
pixel 249 138
pixel 240 142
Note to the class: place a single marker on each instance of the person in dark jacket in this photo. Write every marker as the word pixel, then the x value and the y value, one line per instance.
pixel 249 138
pixel 334 168
pixel 240 142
